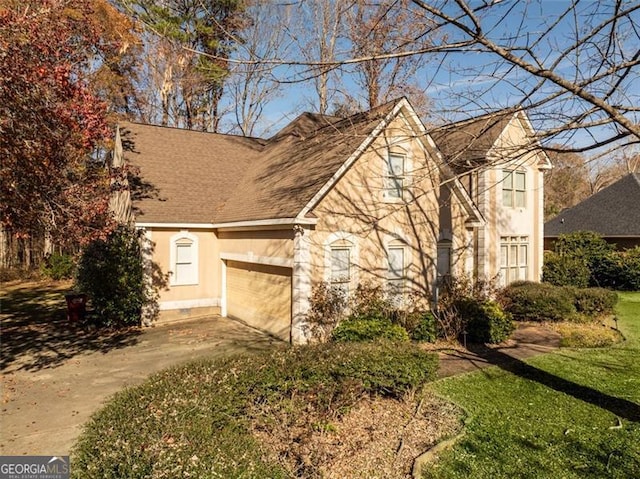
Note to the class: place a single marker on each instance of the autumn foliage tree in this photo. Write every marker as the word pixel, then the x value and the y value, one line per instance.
pixel 51 120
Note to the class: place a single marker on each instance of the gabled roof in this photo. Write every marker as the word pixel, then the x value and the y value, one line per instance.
pixel 297 162
pixel 465 144
pixel 613 211
pixel 185 176
pixel 197 177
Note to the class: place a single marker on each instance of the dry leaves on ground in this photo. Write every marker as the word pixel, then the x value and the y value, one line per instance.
pixel 377 438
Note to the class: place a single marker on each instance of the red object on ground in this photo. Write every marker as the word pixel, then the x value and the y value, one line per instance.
pixel 76 307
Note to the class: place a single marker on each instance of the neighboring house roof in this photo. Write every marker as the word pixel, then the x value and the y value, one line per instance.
pixel 613 211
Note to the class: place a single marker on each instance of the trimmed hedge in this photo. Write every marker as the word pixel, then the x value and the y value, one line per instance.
pixel 593 302
pixel 365 328
pixel 528 301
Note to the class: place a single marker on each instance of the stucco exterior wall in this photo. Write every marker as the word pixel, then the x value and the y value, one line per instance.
pixel 272 243
pixel 503 221
pixel 358 211
pixel 206 293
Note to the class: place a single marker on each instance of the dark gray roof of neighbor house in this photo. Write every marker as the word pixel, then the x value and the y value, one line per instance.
pixel 613 211
pixel 197 177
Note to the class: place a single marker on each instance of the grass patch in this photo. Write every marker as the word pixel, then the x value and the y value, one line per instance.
pixel 572 414
pixel 197 420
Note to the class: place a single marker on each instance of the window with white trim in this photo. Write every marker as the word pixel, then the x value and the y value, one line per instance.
pixel 514 259
pixel 396 275
pixel 443 262
pixel 184 259
pixel 340 264
pixel 514 188
pixel 395 176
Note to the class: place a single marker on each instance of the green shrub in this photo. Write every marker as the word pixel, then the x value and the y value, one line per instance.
pixel 425 328
pixel 196 420
pixel 368 328
pixel 590 247
pixel 593 302
pixel 629 270
pixel 110 272
pixel 485 321
pixel 562 270
pixel 528 301
pixel 58 266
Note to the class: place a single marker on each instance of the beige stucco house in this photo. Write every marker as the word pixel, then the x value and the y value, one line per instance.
pixel 247 226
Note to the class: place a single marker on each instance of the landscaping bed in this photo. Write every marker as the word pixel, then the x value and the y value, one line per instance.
pixel 278 414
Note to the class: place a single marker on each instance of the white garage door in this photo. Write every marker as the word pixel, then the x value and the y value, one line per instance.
pixel 260 295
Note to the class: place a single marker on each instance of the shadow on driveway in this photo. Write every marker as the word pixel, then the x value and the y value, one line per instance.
pixel 35 333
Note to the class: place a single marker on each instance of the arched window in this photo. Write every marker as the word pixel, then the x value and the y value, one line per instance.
pixel 397 170
pixel 397 260
pixel 340 258
pixel 184 259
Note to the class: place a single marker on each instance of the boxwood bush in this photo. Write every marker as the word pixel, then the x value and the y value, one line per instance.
pixel 593 302
pixel 368 328
pixel 485 321
pixel 528 301
pixel 425 329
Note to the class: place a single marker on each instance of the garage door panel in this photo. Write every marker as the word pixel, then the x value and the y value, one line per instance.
pixel 260 295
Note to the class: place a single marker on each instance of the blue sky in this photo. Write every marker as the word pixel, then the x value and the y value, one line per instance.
pixel 467 84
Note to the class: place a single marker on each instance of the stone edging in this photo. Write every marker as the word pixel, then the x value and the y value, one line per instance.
pixel 431 455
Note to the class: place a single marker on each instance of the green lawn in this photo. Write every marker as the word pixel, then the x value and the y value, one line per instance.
pixel 575 413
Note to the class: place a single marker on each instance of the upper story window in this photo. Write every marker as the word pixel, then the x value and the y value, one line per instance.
pixel 514 188
pixel 184 259
pixel 396 176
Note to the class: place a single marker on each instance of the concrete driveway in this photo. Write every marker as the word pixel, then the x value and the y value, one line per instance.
pixel 51 387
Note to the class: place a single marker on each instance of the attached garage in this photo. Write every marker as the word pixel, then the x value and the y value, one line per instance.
pixel 260 295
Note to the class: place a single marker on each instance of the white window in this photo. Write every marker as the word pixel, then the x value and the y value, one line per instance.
pixel 514 188
pixel 444 259
pixel 395 179
pixel 514 259
pixel 340 264
pixel 184 259
pixel 396 274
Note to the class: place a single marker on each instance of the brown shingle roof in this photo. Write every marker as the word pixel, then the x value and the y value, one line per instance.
pixel 297 163
pixel 465 144
pixel 196 177
pixel 185 176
